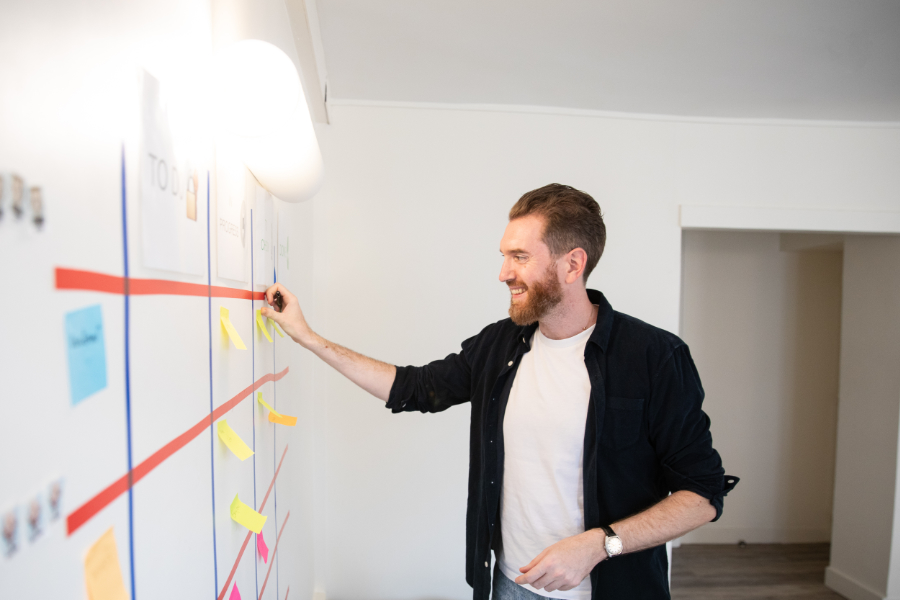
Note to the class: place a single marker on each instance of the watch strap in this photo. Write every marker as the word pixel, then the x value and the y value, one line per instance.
pixel 607 530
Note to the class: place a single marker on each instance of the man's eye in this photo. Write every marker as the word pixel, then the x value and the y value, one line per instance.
pixel 521 257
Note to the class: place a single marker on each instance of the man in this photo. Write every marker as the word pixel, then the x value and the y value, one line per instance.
pixel 589 448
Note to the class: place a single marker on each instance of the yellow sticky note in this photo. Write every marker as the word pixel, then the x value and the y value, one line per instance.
pixel 246 516
pixel 232 332
pixel 264 403
pixel 282 419
pixel 262 324
pixel 275 325
pixel 233 440
pixel 102 573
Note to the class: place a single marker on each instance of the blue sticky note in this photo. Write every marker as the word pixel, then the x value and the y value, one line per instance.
pixel 87 352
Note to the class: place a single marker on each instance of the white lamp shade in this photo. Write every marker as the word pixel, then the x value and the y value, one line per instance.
pixel 264 118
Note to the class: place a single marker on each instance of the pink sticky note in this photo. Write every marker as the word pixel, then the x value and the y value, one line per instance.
pixel 261 546
pixel 235 594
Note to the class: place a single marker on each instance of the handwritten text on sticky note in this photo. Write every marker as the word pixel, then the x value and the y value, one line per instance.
pixel 233 440
pixel 282 419
pixel 87 352
pixel 246 516
pixel 102 573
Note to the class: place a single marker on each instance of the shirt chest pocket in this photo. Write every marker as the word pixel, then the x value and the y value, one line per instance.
pixel 622 422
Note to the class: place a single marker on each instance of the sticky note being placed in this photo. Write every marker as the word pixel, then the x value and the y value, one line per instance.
pixel 87 352
pixel 102 573
pixel 246 516
pixel 260 322
pixel 275 325
pixel 233 440
pixel 232 332
pixel 261 546
pixel 235 593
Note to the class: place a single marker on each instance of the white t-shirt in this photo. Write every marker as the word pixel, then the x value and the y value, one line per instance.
pixel 542 500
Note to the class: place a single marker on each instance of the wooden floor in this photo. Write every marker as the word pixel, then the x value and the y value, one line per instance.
pixel 754 571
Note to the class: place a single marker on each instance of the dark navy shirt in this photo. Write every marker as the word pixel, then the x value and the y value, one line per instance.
pixel 646 435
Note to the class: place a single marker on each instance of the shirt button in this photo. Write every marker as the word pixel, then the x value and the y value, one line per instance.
pixel 510 363
pixel 486 564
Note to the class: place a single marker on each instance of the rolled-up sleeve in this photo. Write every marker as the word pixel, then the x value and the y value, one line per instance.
pixel 433 387
pixel 679 430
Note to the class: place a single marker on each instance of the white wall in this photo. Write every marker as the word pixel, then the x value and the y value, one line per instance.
pixel 865 556
pixel 407 232
pixel 764 330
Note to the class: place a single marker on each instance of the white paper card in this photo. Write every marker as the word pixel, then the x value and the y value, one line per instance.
pixel 235 188
pixel 284 246
pixel 263 239
pixel 173 194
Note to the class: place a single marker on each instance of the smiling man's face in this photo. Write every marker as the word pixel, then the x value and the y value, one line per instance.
pixel 529 270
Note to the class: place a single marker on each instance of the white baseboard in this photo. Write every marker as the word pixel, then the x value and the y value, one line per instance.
pixel 849 587
pixel 733 535
pixel 318 595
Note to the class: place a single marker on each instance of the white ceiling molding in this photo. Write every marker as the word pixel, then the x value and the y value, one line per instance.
pixel 746 218
pixel 606 114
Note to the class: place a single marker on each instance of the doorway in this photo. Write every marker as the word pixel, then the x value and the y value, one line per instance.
pixel 761 313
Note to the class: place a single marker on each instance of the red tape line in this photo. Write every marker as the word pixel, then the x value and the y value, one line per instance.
pixel 272 559
pixel 86 511
pixel 262 505
pixel 74 279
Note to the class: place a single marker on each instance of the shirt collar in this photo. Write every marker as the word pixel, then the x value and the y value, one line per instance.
pixel 601 333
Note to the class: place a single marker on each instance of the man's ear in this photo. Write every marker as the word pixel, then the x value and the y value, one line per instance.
pixel 576 260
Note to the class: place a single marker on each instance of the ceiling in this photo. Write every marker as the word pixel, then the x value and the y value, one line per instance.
pixel 781 59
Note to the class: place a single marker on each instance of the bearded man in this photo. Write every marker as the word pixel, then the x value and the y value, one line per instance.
pixel 589 448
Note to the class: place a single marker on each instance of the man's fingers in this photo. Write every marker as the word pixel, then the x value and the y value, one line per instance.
pixel 534 573
pixel 270 293
pixel 273 314
pixel 533 562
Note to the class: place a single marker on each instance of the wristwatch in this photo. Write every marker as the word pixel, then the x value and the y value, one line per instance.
pixel 612 543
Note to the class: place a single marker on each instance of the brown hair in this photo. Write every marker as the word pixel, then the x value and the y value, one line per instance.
pixel 572 220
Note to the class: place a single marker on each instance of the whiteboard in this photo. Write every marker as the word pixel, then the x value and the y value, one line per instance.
pixel 137 450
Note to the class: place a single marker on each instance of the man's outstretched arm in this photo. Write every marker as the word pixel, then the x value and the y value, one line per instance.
pixel 372 375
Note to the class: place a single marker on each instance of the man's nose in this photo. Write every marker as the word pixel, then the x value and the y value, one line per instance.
pixel 506 273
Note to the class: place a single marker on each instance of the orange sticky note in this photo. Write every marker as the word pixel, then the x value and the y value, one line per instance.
pixel 282 419
pixel 102 573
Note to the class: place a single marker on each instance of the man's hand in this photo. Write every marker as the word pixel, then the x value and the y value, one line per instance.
pixel 290 319
pixel 372 375
pixel 566 563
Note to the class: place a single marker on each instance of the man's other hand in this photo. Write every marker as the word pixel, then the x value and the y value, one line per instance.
pixel 566 563
pixel 291 318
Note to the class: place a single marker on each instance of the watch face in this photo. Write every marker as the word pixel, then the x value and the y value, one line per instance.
pixel 613 545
